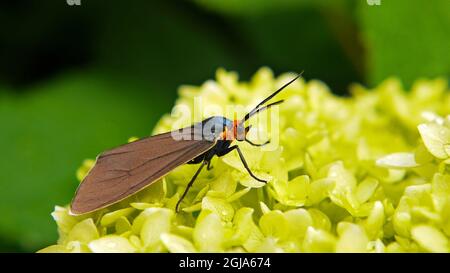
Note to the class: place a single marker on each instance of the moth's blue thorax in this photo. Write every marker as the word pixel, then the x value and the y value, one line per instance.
pixel 220 122
pixel 217 127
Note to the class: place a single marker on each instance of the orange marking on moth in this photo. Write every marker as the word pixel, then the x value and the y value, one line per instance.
pixel 224 134
pixel 235 130
pixel 227 135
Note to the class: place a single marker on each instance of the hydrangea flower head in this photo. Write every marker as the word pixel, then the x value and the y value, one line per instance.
pixel 365 173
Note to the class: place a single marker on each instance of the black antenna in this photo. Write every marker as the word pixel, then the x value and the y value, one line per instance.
pixel 255 110
pixel 262 109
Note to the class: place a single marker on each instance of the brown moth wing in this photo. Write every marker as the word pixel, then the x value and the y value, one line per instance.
pixel 124 170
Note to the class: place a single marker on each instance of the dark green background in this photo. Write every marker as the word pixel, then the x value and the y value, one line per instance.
pixel 75 80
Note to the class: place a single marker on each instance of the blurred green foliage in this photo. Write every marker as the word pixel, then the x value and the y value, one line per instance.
pixel 86 78
pixel 46 133
pixel 405 38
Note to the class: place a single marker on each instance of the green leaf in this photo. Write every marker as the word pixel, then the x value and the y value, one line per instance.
pixel 50 129
pixel 406 38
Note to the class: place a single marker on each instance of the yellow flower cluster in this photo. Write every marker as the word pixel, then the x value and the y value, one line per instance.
pixel 365 173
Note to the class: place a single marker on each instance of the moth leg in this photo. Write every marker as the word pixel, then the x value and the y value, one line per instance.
pixel 241 156
pixel 209 167
pixel 189 185
pixel 257 144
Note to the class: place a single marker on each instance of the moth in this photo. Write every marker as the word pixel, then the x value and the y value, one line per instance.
pixel 127 169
